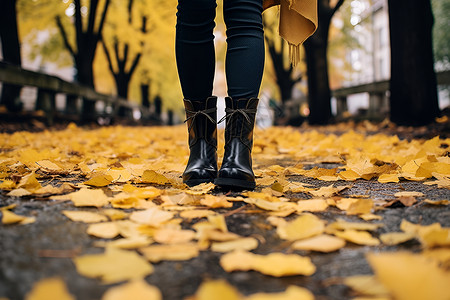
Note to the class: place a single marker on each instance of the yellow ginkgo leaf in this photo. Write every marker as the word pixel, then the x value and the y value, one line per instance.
pixel 304 226
pixel 99 180
pixel 133 242
pixel 175 252
pixel 119 175
pixel 273 264
pixel 217 290
pixel 151 176
pixel 395 238
pixel 152 216
pixel 106 230
pixel 292 293
pixel 313 205
pixel 328 191
pixel 409 276
pixel 29 182
pixel 11 218
pixel 358 237
pixel 136 289
pixel 360 206
pixel 49 289
pixel 196 214
pixel 84 216
pixel 20 192
pixel 114 214
pixel 320 243
pixel 201 189
pixel 385 178
pixel 113 266
pixel 247 243
pixel 48 165
pixel 215 201
pixel 367 285
pixel 341 224
pixel 89 197
pixel 173 236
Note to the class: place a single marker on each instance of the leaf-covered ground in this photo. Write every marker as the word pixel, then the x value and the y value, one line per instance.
pixel 103 214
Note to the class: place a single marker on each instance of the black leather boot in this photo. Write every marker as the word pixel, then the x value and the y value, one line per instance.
pixel 236 171
pixel 201 118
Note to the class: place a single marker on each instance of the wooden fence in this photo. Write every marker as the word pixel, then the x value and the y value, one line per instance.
pixel 48 86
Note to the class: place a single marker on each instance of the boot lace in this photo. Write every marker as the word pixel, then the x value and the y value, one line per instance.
pixel 191 115
pixel 229 112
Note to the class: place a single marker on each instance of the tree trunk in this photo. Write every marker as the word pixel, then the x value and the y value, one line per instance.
pixel 145 95
pixel 122 82
pixel 319 93
pixel 413 99
pixel 10 96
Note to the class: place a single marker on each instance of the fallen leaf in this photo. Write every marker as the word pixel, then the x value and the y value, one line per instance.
pixel 89 197
pixel 173 236
pixel 386 178
pixel 328 191
pixel 358 237
pixel 106 230
pixel 114 214
pixel 273 264
pixel 321 243
pixel 29 182
pixel 136 289
pixel 113 266
pixel 151 176
pixel 152 216
pixel 409 194
pixel 11 218
pixel 196 214
pixel 395 238
pixel 304 226
pixel 49 289
pixel 341 224
pixel 217 290
pixel 20 192
pixel 247 244
pixel 437 202
pixel 99 180
pixel 410 276
pixel 292 293
pixel 84 216
pixel 367 285
pixel 133 242
pixel 177 252
pixel 201 189
pixel 313 205
pixel 215 201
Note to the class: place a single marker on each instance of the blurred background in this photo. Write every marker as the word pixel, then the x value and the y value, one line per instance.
pixel 113 60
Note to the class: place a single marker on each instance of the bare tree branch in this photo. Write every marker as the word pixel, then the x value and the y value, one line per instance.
pixel 102 19
pixel 135 64
pixel 64 36
pixel 108 55
pixel 78 23
pixel 337 6
pixel 91 19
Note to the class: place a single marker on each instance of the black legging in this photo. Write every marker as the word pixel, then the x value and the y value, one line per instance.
pixel 194 47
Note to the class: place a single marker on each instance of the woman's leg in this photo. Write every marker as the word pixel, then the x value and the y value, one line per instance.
pixel 245 53
pixel 244 69
pixel 194 48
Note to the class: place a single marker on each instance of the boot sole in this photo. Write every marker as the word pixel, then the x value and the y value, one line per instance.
pixel 232 183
